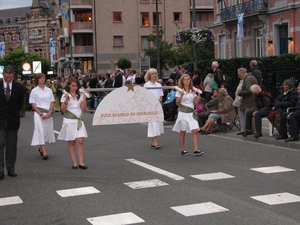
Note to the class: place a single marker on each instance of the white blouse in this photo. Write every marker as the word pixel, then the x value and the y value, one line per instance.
pixel 157 92
pixel 187 98
pixel 73 104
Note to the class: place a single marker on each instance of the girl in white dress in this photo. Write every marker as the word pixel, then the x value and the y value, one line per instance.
pixel 187 121
pixel 154 128
pixel 42 101
pixel 73 130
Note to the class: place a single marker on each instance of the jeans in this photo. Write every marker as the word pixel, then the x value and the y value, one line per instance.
pixel 293 124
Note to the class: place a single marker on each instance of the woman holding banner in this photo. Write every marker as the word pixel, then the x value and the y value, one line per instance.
pixel 187 119
pixel 73 103
pixel 154 128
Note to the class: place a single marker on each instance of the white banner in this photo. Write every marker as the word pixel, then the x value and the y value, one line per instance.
pixel 132 104
pixel 240 26
pixel 2 49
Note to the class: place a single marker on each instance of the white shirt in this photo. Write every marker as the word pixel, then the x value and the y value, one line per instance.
pixel 42 98
pixel 157 92
pixel 73 104
pixel 187 99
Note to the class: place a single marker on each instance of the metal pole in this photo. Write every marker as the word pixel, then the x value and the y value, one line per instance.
pixel 70 38
pixel 194 25
pixel 157 40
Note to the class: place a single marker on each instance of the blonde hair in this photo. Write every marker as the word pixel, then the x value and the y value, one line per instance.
pixel 149 72
pixel 180 82
pixel 255 89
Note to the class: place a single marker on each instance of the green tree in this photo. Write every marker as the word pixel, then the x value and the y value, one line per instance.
pixel 124 63
pixel 17 57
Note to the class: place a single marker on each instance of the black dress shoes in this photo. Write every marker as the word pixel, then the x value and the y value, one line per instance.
pixel 292 138
pixel 246 133
pixel 12 174
pixel 1 176
pixel 257 135
pixel 45 157
pixel 281 137
pixel 240 133
pixel 83 167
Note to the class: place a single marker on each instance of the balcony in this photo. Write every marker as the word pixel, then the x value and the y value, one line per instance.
pixel 81 3
pixel 81 27
pixel 202 4
pixel 80 51
pixel 248 8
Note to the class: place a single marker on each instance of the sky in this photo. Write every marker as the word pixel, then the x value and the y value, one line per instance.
pixel 9 4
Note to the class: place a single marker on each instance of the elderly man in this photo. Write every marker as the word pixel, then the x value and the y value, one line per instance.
pixel 256 72
pixel 294 120
pixel 11 101
pixel 118 82
pixel 217 75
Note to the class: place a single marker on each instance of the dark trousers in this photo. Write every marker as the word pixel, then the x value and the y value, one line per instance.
pixel 293 124
pixel 8 141
pixel 170 110
pixel 202 117
pixel 258 116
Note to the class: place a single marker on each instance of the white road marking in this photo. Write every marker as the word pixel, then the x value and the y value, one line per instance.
pixel 10 201
pixel 77 191
pixel 146 184
pixel 199 209
pixel 276 199
pixel 212 176
pixel 116 219
pixel 157 170
pixel 272 169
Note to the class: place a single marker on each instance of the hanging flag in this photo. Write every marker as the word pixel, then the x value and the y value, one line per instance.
pixel 64 9
pixel 2 49
pixel 52 51
pixel 240 26
pixel 25 40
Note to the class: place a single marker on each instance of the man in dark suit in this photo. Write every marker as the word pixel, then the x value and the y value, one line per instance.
pixel 118 82
pixel 11 101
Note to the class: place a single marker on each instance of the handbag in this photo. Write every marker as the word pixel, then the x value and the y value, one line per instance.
pixel 272 114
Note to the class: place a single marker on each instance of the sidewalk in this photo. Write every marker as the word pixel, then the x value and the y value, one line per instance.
pixel 265 139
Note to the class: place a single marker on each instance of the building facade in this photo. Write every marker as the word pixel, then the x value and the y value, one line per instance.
pixel 270 27
pixel 35 21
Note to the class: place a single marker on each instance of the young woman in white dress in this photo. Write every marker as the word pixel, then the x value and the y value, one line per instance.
pixel 73 103
pixel 186 121
pixel 154 128
pixel 42 101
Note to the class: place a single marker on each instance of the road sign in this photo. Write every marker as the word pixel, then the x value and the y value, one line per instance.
pixel 26 66
pixel 36 66
pixel 26 72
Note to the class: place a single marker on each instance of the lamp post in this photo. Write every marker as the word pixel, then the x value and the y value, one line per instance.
pixel 157 39
pixel 70 37
pixel 194 24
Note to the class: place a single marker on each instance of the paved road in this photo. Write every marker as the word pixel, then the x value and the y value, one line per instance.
pixel 238 180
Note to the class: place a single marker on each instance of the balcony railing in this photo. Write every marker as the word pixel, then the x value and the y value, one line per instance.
pixel 81 26
pixel 253 6
pixel 80 50
pixel 202 3
pixel 81 2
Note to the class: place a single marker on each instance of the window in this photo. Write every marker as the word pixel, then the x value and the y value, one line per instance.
pixel 222 47
pixel 18 36
pixel 177 17
pixel 221 5
pixel 145 43
pixel 2 38
pixel 117 16
pixel 10 37
pixel 154 19
pixel 83 39
pixel 144 1
pixel 118 41
pixel 238 46
pixel 145 19
pixel 258 43
pixel 85 16
pixel 39 51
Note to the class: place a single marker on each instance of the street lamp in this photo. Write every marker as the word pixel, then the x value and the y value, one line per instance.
pixel 194 24
pixel 157 39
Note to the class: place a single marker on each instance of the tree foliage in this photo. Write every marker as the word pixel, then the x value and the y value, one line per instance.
pixel 124 63
pixel 17 57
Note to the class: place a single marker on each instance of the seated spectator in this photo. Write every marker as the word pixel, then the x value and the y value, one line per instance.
pixel 169 106
pixel 211 105
pixel 201 107
pixel 226 112
pixel 287 97
pixel 263 108
pixel 294 121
